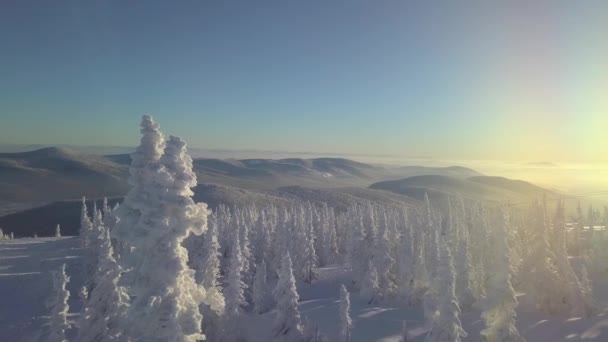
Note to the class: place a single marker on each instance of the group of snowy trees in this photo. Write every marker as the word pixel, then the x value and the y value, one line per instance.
pixel 4 236
pixel 161 267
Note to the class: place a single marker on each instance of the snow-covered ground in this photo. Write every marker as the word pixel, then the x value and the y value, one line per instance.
pixel 25 284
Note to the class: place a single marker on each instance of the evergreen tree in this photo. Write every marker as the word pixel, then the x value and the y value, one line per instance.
pixel 105 310
pixel 207 275
pixel 58 324
pixel 287 325
pixel 141 198
pixel 234 292
pixel 446 325
pixel 346 324
pixel 540 276
pixel 370 289
pixel 260 289
pixel 384 262
pixel 58 231
pixel 500 302
pixel 165 295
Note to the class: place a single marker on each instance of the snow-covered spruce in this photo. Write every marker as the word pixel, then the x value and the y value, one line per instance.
pixel 500 302
pixel 446 325
pixel 58 231
pixel 346 323
pixel 287 326
pixel 261 300
pixel 58 324
pixel 104 313
pixel 159 214
pixel 234 293
pixel 141 198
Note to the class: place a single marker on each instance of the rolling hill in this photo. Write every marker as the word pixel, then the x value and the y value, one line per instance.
pixel 480 188
pixel 52 174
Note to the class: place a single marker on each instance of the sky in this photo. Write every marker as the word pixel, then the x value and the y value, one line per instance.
pixel 484 80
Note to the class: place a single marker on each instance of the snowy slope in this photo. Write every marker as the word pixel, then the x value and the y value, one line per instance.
pixel 25 283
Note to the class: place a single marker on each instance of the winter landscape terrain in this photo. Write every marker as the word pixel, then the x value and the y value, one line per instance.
pixel 267 250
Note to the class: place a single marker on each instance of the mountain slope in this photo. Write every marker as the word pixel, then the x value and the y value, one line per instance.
pixel 480 188
pixel 53 173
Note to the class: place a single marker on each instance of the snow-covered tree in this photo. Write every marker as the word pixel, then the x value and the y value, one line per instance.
pixel 58 231
pixel 165 295
pixel 500 302
pixel 58 324
pixel 459 240
pixel 370 288
pixel 141 198
pixel 105 309
pixel 346 323
pixel 587 289
pixel 539 274
pixel 446 325
pixel 384 261
pixel 209 272
pixel 571 287
pixel 310 256
pixel 261 300
pixel 406 265
pixel 207 267
pixel 234 293
pixel 86 226
pixel 287 325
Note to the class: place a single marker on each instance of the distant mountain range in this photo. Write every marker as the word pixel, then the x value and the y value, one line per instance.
pixel 41 188
pixel 479 188
pixel 51 174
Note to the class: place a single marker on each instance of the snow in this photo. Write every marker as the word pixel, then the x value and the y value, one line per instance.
pixel 26 284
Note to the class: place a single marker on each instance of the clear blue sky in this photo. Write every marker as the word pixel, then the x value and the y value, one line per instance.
pixel 457 79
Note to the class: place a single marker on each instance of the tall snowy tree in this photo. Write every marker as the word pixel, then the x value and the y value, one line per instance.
pixel 58 231
pixel 261 299
pixel 539 274
pixel 145 163
pixel 384 261
pixel 500 302
pixel 165 295
pixel 346 323
pixel 105 309
pixel 446 325
pixel 571 287
pixel 287 325
pixel 234 293
pixel 207 275
pixel 370 288
pixel 58 324
pixel 406 264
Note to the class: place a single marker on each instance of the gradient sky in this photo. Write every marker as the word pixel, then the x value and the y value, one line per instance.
pixel 508 80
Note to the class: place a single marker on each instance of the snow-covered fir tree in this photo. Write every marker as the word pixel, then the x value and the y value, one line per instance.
pixel 166 298
pixel 207 266
pixel 446 326
pixel 539 274
pixel 141 198
pixel 406 264
pixel 234 293
pixel 58 231
pixel 370 288
pixel 105 309
pixel 261 300
pixel 384 261
pixel 500 302
pixel 346 323
pixel 58 324
pixel 287 325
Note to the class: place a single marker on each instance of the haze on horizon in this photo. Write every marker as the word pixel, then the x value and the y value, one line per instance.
pixel 514 81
